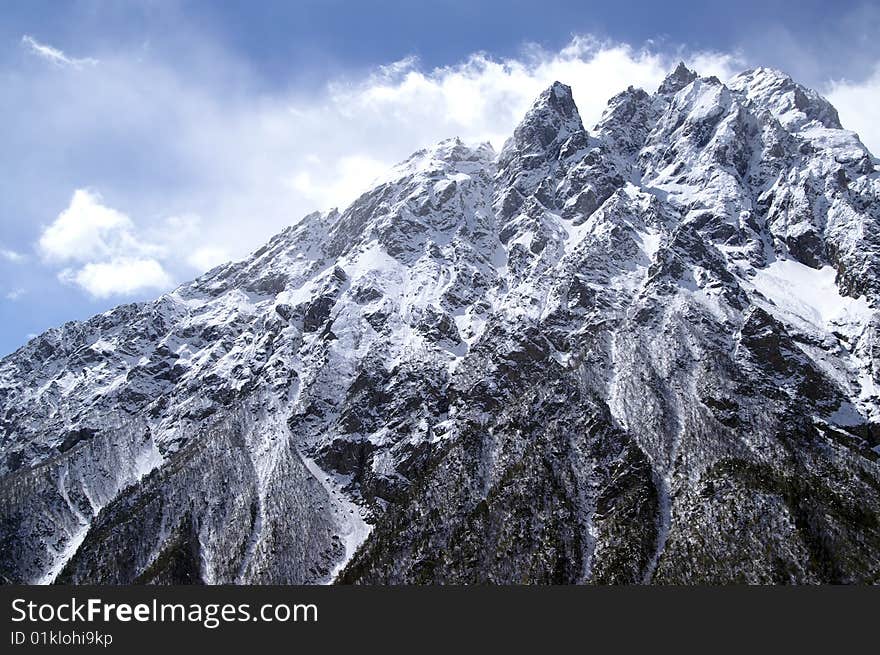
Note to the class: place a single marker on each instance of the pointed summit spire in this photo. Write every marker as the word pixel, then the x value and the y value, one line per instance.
pixel 529 162
pixel 677 80
pixel 558 97
pixel 552 119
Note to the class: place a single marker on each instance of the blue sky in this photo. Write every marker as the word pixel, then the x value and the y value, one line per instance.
pixel 145 142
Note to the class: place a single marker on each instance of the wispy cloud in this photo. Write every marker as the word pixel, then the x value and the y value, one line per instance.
pixel 11 255
pixel 15 294
pixel 120 276
pixel 87 230
pixel 105 254
pixel 54 55
pixel 482 98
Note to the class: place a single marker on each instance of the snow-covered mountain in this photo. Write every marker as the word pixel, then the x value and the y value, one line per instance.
pixel 647 352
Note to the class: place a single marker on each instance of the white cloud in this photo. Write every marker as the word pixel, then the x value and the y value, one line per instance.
pixel 11 255
pixel 87 230
pixel 15 294
pixel 54 55
pixel 121 276
pixel 359 128
pixel 482 98
pixel 112 256
pixel 857 103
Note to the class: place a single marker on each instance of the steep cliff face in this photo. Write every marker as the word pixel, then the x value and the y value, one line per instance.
pixel 649 352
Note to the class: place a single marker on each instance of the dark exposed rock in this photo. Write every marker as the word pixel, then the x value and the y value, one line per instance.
pixel 677 80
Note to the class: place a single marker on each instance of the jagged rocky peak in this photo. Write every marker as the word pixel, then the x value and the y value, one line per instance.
pixel 792 104
pixel 626 121
pixel 551 121
pixel 648 354
pixel 677 80
pixel 537 157
pixel 622 107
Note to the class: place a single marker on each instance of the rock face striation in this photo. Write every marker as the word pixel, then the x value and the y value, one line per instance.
pixel 648 352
